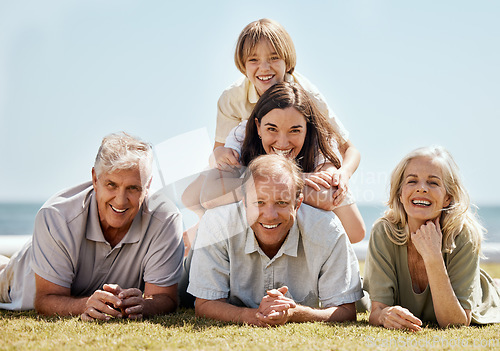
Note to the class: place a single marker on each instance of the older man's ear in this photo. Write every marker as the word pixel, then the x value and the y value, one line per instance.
pixel 299 200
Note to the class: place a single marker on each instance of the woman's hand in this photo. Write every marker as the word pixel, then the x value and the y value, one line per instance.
pixel 428 240
pixel 316 180
pixel 339 180
pixel 394 317
pixel 397 317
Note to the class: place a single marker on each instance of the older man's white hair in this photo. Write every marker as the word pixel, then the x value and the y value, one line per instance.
pixel 121 151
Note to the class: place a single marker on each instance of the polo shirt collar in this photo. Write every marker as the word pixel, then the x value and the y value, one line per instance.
pixel 253 95
pixel 94 231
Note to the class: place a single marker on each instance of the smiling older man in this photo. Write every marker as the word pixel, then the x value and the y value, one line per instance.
pixel 265 261
pixel 100 250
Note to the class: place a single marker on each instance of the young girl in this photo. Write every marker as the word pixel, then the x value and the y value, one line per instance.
pixel 423 257
pixel 265 54
pixel 285 121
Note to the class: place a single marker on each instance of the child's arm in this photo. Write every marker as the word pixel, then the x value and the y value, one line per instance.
pixel 224 157
pixel 229 153
pixel 217 144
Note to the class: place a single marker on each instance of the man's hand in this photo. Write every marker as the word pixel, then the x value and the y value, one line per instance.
pixel 131 300
pixel 275 307
pixel 113 301
pixel 102 305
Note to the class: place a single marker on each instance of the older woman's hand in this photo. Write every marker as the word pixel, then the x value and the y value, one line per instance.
pixel 394 317
pixel 428 240
pixel 397 317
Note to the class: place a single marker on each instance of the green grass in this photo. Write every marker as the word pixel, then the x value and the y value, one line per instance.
pixel 182 330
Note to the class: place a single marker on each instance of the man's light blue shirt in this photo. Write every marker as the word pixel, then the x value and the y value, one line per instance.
pixel 316 261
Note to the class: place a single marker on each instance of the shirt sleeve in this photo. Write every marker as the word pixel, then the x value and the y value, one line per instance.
pixel 165 255
pixel 463 270
pixel 210 266
pixel 339 282
pixel 53 247
pixel 236 136
pixel 227 119
pixel 380 279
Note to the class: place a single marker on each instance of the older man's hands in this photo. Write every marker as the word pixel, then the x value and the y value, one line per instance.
pixel 114 302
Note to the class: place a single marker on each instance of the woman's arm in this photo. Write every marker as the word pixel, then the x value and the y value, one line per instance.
pixel 221 188
pixel 352 221
pixel 318 193
pixel 351 158
pixel 341 176
pixel 427 240
pixel 393 317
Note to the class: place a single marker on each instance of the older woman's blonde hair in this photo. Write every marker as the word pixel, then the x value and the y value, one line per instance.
pixel 268 29
pixel 455 219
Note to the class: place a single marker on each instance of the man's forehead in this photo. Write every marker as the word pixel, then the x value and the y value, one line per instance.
pixel 276 186
pixel 121 175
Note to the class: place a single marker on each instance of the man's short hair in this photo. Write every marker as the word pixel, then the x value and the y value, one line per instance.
pixel 275 167
pixel 121 151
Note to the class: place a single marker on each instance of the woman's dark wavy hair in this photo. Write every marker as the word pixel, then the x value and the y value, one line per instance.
pixel 319 135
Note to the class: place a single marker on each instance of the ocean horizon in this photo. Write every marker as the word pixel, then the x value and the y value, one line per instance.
pixel 17 218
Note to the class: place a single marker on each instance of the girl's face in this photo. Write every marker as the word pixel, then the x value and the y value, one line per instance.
pixel 423 194
pixel 282 131
pixel 264 67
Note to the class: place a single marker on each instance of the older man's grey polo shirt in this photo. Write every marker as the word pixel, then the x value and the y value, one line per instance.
pixel 69 248
pixel 316 261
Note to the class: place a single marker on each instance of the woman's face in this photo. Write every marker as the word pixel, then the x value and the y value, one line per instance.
pixel 282 131
pixel 423 194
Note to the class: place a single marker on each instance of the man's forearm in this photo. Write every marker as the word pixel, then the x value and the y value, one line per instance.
pixel 159 304
pixel 346 312
pixel 50 305
pixel 223 311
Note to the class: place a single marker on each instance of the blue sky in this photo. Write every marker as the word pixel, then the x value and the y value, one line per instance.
pixel 399 75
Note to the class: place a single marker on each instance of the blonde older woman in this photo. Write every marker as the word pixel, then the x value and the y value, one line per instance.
pixel 423 257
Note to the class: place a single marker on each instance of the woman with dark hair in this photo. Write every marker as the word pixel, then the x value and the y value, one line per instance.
pixel 286 122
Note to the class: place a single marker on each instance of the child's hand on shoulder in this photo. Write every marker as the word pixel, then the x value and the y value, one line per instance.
pixel 225 157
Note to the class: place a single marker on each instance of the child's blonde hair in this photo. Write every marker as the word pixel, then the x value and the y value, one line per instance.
pixel 457 217
pixel 265 29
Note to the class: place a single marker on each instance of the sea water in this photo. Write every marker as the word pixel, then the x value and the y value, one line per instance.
pixel 19 218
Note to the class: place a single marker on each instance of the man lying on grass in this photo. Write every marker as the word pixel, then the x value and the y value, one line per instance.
pixel 99 232
pixel 265 262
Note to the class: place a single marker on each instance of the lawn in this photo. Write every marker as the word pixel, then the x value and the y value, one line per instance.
pixel 182 330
